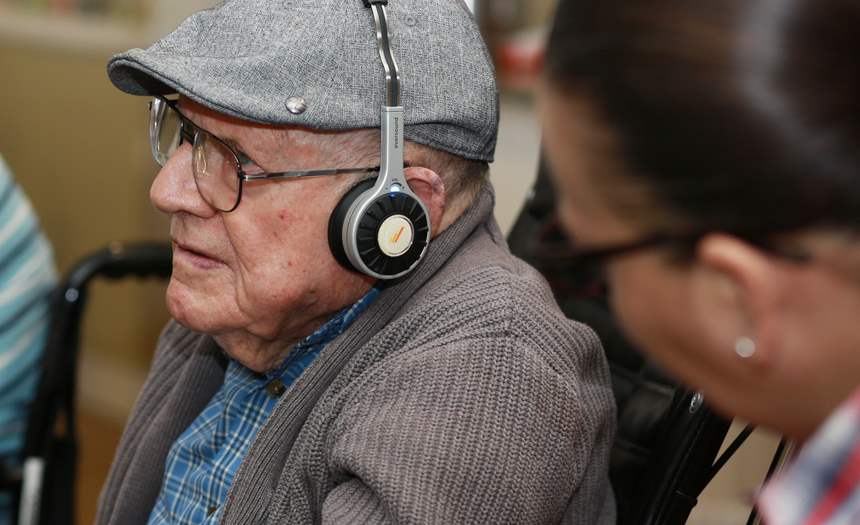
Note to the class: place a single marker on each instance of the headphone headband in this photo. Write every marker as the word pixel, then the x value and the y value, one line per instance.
pixel 391 154
pixel 382 228
pixel 383 38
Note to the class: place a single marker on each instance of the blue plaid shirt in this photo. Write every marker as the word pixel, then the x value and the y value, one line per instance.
pixel 202 462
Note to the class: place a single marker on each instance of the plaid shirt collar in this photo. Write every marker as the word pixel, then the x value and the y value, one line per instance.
pixel 324 334
pixel 202 462
pixel 822 486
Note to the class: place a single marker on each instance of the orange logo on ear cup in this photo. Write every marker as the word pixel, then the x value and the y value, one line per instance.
pixel 399 233
pixel 395 235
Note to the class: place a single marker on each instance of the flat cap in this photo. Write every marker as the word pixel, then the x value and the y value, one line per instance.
pixel 315 63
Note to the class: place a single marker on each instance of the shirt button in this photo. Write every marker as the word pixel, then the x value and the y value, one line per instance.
pixel 211 510
pixel 276 388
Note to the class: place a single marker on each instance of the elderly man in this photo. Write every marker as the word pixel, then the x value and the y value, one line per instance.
pixel 353 342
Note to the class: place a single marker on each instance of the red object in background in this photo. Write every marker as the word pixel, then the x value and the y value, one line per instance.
pixel 520 57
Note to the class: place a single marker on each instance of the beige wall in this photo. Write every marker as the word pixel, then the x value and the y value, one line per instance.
pixel 77 146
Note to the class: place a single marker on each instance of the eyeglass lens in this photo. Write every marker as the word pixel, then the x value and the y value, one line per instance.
pixel 213 163
pixel 165 131
pixel 215 171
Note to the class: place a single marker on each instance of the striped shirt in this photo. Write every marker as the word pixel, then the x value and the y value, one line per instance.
pixel 202 462
pixel 822 485
pixel 27 279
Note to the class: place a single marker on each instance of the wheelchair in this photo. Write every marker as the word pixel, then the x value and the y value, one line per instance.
pixel 45 487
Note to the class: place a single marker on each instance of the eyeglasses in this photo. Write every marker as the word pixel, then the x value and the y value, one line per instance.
pixel 219 169
pixel 581 271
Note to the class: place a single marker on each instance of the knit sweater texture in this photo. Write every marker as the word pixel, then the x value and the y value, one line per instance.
pixel 462 395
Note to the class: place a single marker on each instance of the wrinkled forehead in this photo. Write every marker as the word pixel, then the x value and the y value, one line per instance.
pixel 595 190
pixel 209 118
pixel 268 143
pixel 582 148
pixel 264 140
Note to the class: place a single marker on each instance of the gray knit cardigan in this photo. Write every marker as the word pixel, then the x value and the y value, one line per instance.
pixel 462 395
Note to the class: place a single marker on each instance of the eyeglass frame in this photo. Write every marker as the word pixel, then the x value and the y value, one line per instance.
pixel 185 132
pixel 599 256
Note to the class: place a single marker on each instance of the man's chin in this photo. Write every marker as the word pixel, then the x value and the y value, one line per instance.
pixel 191 309
pixel 178 310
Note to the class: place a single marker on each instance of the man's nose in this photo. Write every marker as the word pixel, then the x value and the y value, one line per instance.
pixel 174 189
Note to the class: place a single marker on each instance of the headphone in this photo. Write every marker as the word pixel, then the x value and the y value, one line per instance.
pixel 380 228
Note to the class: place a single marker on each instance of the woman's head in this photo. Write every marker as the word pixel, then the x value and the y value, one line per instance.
pixel 735 123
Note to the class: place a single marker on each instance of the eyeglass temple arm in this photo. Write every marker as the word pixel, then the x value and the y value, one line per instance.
pixel 306 173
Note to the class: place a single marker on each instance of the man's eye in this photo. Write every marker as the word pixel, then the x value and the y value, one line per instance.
pixel 248 165
pixel 186 132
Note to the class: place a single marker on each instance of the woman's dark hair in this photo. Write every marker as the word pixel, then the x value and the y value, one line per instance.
pixel 736 115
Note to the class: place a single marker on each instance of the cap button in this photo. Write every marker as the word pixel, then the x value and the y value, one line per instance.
pixel 297 105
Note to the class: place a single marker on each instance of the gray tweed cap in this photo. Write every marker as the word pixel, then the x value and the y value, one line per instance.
pixel 247 58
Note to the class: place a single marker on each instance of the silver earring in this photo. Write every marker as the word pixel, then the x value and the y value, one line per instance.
pixel 745 347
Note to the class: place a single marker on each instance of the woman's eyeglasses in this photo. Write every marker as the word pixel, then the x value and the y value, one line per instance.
pixel 580 271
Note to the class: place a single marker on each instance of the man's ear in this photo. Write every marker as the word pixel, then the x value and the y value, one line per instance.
pixel 737 294
pixel 430 188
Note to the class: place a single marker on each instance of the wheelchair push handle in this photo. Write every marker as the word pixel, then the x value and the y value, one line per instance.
pixel 119 260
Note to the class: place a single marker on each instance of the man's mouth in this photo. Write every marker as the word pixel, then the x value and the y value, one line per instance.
pixel 195 256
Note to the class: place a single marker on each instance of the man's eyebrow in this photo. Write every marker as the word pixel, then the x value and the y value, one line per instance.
pixel 242 154
pixel 226 140
pixel 233 144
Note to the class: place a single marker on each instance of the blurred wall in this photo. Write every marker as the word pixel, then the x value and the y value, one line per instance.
pixel 76 145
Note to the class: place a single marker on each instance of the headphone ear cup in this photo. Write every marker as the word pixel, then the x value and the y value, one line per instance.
pixel 337 222
pixel 401 233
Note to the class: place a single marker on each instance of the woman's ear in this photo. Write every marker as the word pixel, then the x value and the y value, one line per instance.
pixel 737 295
pixel 430 188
